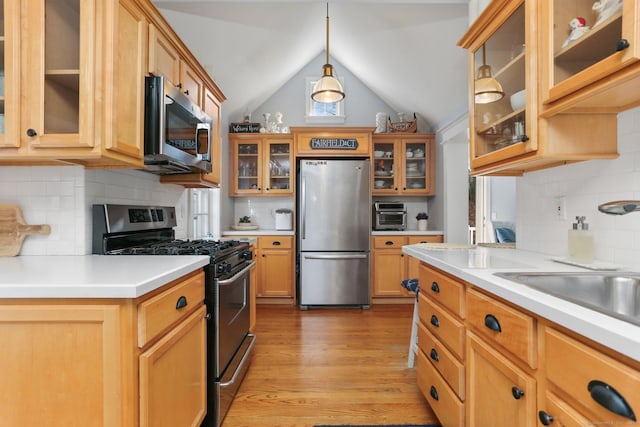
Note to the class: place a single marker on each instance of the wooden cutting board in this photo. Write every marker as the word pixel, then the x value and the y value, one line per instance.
pixel 13 229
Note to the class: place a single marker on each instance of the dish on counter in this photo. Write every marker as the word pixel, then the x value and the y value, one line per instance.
pixel 244 227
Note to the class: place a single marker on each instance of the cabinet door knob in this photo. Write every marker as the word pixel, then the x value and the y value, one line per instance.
pixel 517 393
pixel 31 132
pixel 434 355
pixel 186 92
pixel 545 418
pixel 491 322
pixel 434 287
pixel 609 398
pixel 622 45
pixel 433 392
pixel 181 303
pixel 179 85
pixel 434 321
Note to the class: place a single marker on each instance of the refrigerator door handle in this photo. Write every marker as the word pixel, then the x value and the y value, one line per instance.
pixel 353 256
pixel 303 207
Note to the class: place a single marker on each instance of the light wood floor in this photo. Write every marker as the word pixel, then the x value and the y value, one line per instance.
pixel 330 366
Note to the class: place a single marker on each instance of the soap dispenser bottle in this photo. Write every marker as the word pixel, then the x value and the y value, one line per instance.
pixel 581 241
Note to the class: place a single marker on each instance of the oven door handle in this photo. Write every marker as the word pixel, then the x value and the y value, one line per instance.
pixel 242 362
pixel 227 282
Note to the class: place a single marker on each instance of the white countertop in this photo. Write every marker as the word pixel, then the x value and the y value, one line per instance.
pixel 258 232
pixel 407 233
pixel 91 276
pixel 476 266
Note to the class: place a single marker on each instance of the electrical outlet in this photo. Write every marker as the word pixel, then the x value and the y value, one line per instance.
pixel 560 208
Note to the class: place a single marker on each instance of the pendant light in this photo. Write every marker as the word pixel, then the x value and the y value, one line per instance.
pixel 487 89
pixel 328 89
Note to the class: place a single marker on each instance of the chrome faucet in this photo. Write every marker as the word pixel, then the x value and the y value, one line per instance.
pixel 620 207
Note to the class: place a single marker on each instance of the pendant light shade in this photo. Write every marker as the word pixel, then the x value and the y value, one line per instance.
pixel 487 89
pixel 328 89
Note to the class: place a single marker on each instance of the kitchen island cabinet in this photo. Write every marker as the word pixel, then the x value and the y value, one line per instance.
pixel 530 358
pixel 128 361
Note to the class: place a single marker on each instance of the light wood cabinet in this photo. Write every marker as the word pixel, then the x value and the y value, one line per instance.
pixel 512 139
pixel 79 97
pixel 391 266
pixel 261 165
pixel 130 362
pixel 276 267
pixel 403 164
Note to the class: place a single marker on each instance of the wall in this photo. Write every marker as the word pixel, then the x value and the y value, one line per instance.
pixel 61 196
pixel 584 186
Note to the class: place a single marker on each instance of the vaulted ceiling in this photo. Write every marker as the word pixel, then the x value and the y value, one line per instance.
pixel 404 51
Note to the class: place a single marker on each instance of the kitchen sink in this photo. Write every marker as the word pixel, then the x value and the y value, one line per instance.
pixel 614 293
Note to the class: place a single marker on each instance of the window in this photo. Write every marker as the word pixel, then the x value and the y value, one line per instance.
pixel 317 112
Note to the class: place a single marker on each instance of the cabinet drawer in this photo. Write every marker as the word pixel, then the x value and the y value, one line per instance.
pixel 575 368
pixel 426 239
pixel 386 242
pixel 442 359
pixel 160 312
pixel 443 289
pixel 442 325
pixel 276 242
pixel 443 401
pixel 513 330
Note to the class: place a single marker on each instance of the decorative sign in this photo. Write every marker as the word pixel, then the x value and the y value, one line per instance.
pixel 244 127
pixel 333 143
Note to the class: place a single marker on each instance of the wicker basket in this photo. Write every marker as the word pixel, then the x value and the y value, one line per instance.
pixel 407 127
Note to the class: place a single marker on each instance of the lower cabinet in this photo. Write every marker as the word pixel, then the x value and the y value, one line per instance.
pixel 105 362
pixel 276 267
pixel 514 367
pixel 391 266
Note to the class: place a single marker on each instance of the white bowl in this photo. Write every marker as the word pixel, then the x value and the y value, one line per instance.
pixel 378 183
pixel 378 153
pixel 518 100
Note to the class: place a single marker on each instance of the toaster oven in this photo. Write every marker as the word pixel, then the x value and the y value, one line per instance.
pixel 389 216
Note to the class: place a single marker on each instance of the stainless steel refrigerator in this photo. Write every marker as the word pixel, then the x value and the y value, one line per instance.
pixel 334 228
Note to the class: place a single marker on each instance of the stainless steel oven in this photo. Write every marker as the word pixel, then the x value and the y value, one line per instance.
pixel 148 230
pixel 389 216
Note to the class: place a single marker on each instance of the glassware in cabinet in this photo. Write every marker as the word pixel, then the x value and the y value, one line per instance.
pixel 279 166
pixel 384 158
pixel 416 166
pixel 502 123
pixel 248 161
pixel 587 41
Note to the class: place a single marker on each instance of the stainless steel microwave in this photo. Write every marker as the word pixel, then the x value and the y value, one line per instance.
pixel 389 216
pixel 177 133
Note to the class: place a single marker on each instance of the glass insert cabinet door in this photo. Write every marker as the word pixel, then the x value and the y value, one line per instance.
pixel 248 173
pixel 590 39
pixel 499 96
pixel 279 167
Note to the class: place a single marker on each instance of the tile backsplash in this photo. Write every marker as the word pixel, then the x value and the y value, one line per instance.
pixel 584 186
pixel 62 196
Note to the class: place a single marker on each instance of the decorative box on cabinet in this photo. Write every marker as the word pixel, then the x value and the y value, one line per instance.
pixel 130 362
pixel 79 98
pixel 394 172
pixel 512 141
pixel 390 266
pixel 261 165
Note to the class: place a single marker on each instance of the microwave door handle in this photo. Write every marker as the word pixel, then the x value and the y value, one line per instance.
pixel 203 127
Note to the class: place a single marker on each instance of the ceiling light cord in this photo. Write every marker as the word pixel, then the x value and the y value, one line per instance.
pixel 327 89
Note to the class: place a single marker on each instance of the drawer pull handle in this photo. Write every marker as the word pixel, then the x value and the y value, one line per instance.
pixel 276 243
pixel 491 322
pixel 434 287
pixel 622 44
pixel 434 355
pixel 434 321
pixel 545 418
pixel 433 392
pixel 517 393
pixel 181 303
pixel 389 243
pixel 609 398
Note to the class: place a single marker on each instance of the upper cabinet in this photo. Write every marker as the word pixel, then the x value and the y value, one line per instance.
pixel 585 41
pixel 261 164
pixel 403 164
pixel 73 78
pixel 510 135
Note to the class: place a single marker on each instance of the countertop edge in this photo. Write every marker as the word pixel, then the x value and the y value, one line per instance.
pixel 616 334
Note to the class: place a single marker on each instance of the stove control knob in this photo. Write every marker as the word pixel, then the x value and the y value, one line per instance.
pixel 227 267
pixel 247 255
pixel 220 267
